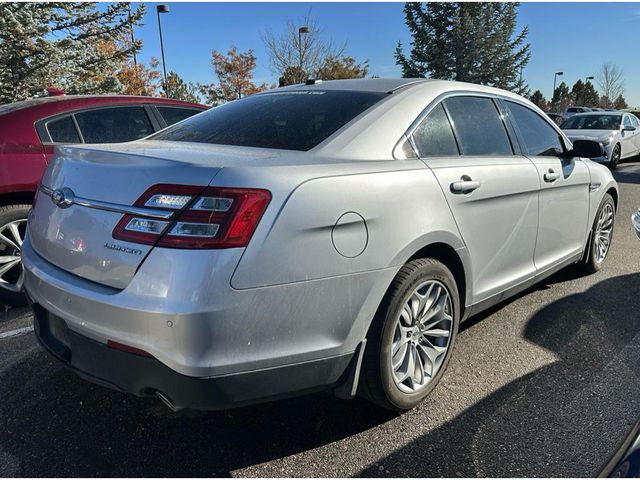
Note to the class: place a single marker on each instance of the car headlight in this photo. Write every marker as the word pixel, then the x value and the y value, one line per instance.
pixel 606 141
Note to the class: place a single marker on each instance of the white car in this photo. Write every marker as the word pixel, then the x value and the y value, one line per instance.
pixel 617 132
pixel 571 111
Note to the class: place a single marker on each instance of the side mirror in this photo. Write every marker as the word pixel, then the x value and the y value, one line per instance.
pixel 586 149
pixel 629 128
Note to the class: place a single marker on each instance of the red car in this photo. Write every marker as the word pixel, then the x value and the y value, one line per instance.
pixel 29 130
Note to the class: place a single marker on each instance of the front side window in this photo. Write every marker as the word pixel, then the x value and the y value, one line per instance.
pixel 288 120
pixel 434 136
pixel 540 138
pixel 114 125
pixel 478 126
pixel 627 121
pixel 63 130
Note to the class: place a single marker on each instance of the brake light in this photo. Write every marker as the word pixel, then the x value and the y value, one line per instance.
pixel 212 217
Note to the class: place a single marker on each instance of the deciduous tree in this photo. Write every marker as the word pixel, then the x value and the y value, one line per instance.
pixel 337 68
pixel 471 42
pixel 611 82
pixel 235 77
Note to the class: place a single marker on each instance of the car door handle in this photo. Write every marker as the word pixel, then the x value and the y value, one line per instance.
pixel 551 176
pixel 464 185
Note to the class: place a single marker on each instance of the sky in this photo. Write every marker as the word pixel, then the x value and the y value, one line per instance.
pixel 575 38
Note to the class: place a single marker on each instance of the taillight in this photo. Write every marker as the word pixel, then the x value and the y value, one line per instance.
pixel 212 217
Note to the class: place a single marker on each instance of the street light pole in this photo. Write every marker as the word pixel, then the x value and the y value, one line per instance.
pixel 135 60
pixel 555 75
pixel 162 9
pixel 301 30
pixel 586 80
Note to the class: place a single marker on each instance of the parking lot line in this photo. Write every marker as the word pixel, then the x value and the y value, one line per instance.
pixel 16 332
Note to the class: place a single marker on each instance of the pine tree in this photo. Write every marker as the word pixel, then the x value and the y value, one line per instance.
pixel 59 44
pixel 469 42
pixel 561 97
pixel 178 89
pixel 620 103
pixel 538 99
pixel 590 95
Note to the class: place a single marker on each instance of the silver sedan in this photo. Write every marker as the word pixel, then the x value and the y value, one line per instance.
pixel 321 236
pixel 617 132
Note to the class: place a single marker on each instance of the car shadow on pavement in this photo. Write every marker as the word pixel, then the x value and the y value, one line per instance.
pixel 55 424
pixel 537 424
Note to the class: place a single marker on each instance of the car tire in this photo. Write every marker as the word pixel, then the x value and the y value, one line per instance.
pixel 13 222
pixel 601 234
pixel 381 382
pixel 615 157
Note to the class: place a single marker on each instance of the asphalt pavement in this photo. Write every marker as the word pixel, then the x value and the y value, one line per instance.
pixel 546 384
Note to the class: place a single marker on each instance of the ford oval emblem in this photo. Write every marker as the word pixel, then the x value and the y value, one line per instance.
pixel 63 197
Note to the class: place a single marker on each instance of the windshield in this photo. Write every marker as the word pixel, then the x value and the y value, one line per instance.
pixel 592 122
pixel 290 120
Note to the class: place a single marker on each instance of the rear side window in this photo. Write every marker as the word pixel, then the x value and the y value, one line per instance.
pixel 290 120
pixel 434 137
pixel 478 126
pixel 173 115
pixel 113 125
pixel 63 130
pixel 540 138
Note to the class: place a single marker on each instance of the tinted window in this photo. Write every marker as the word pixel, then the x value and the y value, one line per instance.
pixel 539 137
pixel 112 125
pixel 173 115
pixel 63 130
pixel 627 121
pixel 297 120
pixel 434 136
pixel 478 126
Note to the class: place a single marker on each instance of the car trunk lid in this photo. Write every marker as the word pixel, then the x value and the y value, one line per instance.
pixel 104 184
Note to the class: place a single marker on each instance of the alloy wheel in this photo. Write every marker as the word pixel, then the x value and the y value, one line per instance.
pixel 11 270
pixel 421 338
pixel 603 233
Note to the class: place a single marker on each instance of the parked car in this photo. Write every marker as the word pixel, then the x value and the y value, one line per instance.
pixel 29 131
pixel 322 236
pixel 617 132
pixel 570 111
pixel 556 117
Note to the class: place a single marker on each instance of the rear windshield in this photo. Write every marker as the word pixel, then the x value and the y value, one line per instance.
pixel 297 120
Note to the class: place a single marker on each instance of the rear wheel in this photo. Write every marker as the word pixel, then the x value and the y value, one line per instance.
pixel 411 338
pixel 13 224
pixel 601 235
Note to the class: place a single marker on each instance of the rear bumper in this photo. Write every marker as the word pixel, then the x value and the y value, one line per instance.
pixel 146 376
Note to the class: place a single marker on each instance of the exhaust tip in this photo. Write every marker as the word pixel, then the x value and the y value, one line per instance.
pixel 168 402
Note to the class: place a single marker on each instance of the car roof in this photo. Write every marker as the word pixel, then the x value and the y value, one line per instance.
pixel 380 85
pixel 601 112
pixel 90 100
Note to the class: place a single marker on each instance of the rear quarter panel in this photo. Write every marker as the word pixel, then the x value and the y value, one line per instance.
pixel 347 223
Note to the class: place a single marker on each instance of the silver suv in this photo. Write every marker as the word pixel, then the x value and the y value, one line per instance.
pixel 322 236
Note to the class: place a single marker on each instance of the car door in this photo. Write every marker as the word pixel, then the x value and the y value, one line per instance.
pixel 628 138
pixel 564 188
pixel 636 137
pixel 491 190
